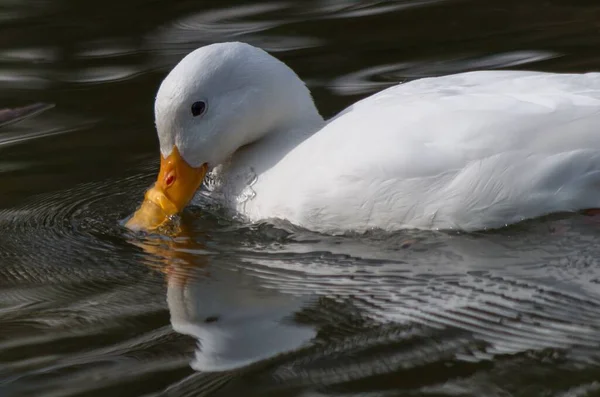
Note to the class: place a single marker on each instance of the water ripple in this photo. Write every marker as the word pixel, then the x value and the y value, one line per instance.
pixel 370 80
pixel 229 24
pixel 89 308
pixel 336 9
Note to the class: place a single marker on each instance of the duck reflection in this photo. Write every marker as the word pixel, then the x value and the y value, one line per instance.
pixel 236 320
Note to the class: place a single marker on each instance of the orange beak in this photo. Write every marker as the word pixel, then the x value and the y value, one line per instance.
pixel 174 188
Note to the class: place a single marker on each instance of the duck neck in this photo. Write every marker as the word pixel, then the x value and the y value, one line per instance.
pixel 297 130
pixel 299 124
pixel 267 151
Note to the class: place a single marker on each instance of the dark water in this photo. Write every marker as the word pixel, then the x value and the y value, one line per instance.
pixel 226 309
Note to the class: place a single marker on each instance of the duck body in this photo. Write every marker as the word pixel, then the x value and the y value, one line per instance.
pixel 469 151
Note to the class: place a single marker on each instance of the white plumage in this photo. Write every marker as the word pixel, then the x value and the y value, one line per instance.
pixel 468 151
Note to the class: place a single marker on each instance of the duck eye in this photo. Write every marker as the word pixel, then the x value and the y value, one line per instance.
pixel 198 108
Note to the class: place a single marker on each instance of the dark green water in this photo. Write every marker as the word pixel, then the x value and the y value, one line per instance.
pixel 227 309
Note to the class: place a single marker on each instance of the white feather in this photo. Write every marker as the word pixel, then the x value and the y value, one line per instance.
pixel 467 151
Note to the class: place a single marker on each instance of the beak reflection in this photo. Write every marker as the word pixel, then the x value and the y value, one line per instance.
pixel 236 321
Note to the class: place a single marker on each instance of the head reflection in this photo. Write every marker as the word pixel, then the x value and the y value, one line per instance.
pixel 236 320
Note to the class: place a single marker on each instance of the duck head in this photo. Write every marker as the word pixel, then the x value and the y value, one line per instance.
pixel 217 99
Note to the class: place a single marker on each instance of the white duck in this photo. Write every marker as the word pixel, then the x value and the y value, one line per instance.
pixel 468 151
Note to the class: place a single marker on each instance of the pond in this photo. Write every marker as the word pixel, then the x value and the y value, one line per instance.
pixel 89 308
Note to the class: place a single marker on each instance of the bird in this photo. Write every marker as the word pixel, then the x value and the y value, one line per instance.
pixel 469 151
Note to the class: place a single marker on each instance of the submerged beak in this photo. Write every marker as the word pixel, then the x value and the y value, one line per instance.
pixel 174 188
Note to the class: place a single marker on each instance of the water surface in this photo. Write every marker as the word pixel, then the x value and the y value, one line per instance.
pixel 226 309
